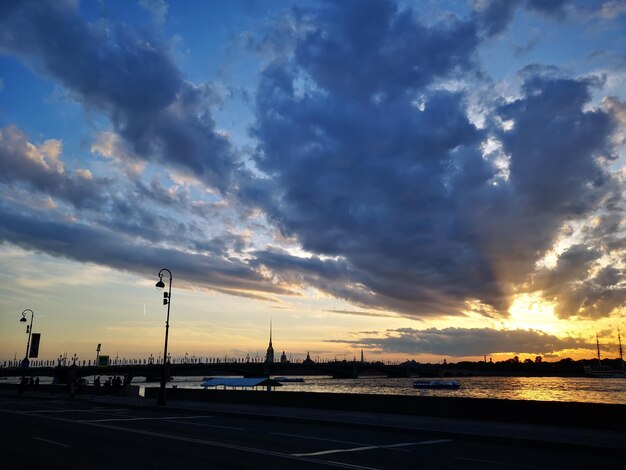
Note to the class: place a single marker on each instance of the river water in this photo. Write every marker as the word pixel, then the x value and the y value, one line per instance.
pixel 572 389
pixel 567 389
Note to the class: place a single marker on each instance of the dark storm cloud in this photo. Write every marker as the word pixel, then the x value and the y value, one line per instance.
pixel 363 48
pixel 127 75
pixel 361 171
pixel 560 180
pixel 384 173
pixel 467 342
pixel 553 146
pixel 552 113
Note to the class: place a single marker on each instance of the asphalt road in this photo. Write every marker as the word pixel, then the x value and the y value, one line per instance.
pixel 49 434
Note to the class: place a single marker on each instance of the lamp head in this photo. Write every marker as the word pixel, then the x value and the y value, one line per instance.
pixel 23 319
pixel 160 284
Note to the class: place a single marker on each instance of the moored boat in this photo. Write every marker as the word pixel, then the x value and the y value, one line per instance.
pixel 437 384
pixel 289 379
pixel 604 372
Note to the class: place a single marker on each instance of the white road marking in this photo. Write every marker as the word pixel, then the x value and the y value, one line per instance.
pixel 317 438
pixel 139 419
pixel 313 438
pixel 493 462
pixel 228 446
pixel 209 425
pixel 68 411
pixel 201 442
pixel 359 449
pixel 52 442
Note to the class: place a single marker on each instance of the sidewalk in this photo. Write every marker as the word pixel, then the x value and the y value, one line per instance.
pixel 445 427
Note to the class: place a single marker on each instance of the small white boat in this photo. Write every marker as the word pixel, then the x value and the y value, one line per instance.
pixel 437 384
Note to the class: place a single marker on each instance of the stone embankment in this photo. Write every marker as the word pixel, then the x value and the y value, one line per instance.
pixel 593 415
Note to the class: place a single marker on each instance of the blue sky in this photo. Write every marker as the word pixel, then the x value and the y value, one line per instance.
pixel 416 179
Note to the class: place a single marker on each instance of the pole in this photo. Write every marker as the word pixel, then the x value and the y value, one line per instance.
pixel 621 352
pixel 168 300
pixel 30 332
pixel 598 346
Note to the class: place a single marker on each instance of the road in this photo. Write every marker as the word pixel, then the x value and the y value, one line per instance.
pixel 49 434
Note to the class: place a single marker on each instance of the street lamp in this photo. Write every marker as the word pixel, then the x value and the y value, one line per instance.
pixel 167 299
pixel 29 330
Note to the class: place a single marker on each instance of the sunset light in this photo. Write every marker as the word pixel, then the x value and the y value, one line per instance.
pixel 531 312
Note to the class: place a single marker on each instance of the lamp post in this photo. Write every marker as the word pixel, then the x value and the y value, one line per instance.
pixel 29 330
pixel 167 299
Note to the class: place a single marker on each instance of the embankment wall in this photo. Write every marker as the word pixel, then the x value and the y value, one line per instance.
pixel 596 415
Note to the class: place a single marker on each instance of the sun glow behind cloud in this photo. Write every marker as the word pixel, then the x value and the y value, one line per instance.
pixel 529 311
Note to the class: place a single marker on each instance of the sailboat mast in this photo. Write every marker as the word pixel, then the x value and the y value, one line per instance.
pixel 621 353
pixel 598 346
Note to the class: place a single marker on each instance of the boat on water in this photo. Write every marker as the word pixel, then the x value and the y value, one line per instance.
pixel 289 379
pixel 437 384
pixel 604 372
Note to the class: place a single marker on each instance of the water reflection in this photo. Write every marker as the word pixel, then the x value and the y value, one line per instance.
pixel 577 389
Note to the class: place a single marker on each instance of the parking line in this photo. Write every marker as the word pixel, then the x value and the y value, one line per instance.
pixel 104 420
pixel 359 449
pixel 68 411
pixel 209 425
pixel 229 446
pixel 52 442
pixel 314 438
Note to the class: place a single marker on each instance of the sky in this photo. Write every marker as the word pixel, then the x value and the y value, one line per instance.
pixel 416 179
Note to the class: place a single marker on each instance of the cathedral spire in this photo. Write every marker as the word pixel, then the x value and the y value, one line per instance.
pixel 269 356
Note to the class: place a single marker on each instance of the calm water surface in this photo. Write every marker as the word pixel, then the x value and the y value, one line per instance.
pixel 578 389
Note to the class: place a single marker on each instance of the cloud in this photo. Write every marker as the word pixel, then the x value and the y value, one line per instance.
pixel 366 158
pixel 157 9
pixel 359 313
pixel 494 16
pixel 40 168
pixel 35 183
pixel 461 342
pixel 581 286
pixel 613 9
pixel 380 172
pixel 92 244
pixel 127 75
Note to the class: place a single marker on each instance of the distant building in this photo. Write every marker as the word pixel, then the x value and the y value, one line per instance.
pixel 269 355
pixel 308 359
pixel 283 358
